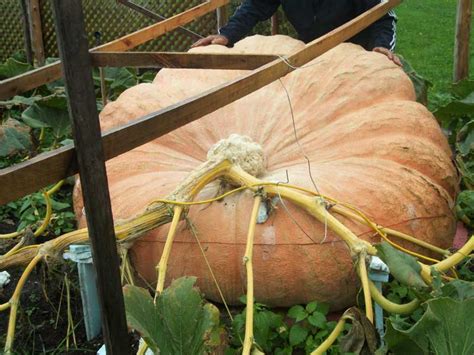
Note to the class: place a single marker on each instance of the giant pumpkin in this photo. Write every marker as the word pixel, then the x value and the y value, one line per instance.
pixel 368 142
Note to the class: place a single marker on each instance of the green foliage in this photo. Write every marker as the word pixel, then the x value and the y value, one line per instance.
pixel 12 67
pixel 403 267
pixel 178 323
pixel 30 210
pixel 420 84
pixel 446 327
pixel 454 110
pixel 301 329
pixel 465 207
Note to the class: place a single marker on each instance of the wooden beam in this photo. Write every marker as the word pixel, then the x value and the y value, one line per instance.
pixel 76 62
pixel 31 175
pixel 180 60
pixel 275 24
pixel 461 41
pixel 26 31
pixel 222 17
pixel 49 73
pixel 36 31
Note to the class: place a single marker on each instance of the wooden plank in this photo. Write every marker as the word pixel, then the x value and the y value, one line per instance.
pixel 36 31
pixel 156 124
pixel 275 24
pixel 26 31
pixel 49 73
pixel 222 17
pixel 30 80
pixel 461 42
pixel 76 62
pixel 180 60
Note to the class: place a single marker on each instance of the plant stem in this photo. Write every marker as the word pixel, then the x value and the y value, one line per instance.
pixel 15 300
pixel 364 278
pixel 316 208
pixel 389 306
pixel 331 338
pixel 248 339
pixel 167 250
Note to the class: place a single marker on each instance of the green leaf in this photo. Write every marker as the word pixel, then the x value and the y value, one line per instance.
pixel 298 334
pixel 402 266
pixel 318 320
pixel 445 328
pixel 311 307
pixel 14 137
pixel 12 67
pixel 297 312
pixel 465 139
pixel 420 84
pixel 458 289
pixel 50 113
pixel 465 206
pixel 20 101
pixel 179 323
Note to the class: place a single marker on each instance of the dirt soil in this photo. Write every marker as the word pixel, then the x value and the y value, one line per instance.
pixel 42 321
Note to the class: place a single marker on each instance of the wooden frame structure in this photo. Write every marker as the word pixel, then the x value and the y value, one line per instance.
pixel 48 168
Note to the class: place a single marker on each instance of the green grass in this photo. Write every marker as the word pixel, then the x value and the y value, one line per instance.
pixel 425 33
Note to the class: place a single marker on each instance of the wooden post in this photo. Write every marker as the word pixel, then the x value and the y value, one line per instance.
pixel 222 17
pixel 275 24
pixel 461 41
pixel 26 31
pixel 36 31
pixel 76 63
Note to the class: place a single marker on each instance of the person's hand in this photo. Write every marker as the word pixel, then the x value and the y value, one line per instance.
pixel 212 39
pixel 389 55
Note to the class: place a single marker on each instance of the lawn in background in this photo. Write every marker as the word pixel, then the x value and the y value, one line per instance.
pixel 425 37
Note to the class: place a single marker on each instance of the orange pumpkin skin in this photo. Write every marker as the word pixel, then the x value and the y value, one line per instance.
pixel 369 144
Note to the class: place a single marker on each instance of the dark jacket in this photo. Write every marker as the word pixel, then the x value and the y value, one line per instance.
pixel 314 18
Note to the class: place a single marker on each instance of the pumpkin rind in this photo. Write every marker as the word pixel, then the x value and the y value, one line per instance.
pixel 369 144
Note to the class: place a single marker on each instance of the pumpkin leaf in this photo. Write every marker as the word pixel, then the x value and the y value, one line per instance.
pixel 402 266
pixel 179 322
pixel 20 101
pixel 13 67
pixel 14 137
pixel 420 84
pixel 52 113
pixel 459 290
pixel 445 328
pixel 362 337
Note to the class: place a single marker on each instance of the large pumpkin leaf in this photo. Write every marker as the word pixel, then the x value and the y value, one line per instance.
pixel 51 113
pixel 445 328
pixel 14 137
pixel 12 67
pixel 179 322
pixel 402 266
pixel 420 84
